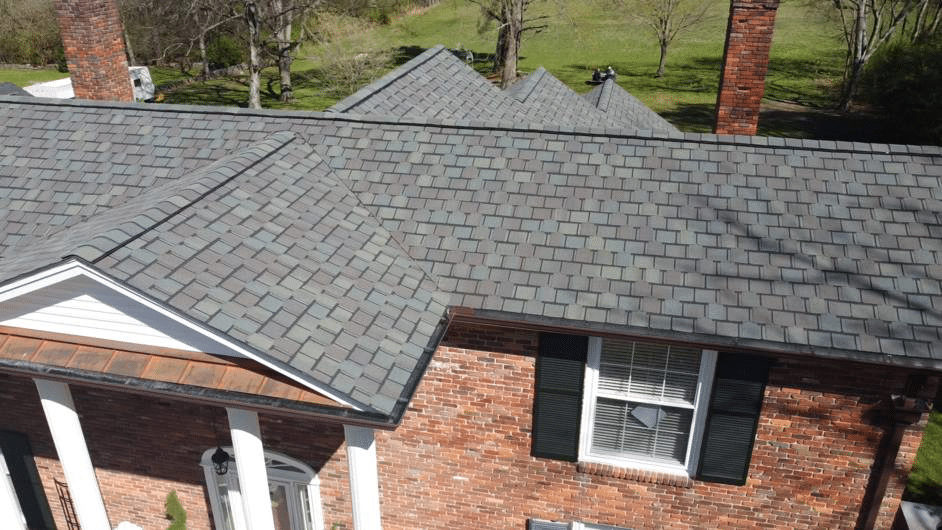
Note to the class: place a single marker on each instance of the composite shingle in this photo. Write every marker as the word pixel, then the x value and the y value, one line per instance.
pixel 332 244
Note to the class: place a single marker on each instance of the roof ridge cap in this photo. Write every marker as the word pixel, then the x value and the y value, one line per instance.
pixel 605 95
pixel 377 86
pixel 527 85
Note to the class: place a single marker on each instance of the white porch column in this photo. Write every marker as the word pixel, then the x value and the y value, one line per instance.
pixel 10 514
pixel 364 477
pixel 70 445
pixel 250 461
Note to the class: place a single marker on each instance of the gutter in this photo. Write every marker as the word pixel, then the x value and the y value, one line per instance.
pixel 207 396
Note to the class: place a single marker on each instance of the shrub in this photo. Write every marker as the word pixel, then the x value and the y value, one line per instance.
pixel 225 51
pixel 175 512
pixel 904 82
pixel 348 54
pixel 29 32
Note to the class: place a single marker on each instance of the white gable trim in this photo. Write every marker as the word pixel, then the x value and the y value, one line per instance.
pixel 80 306
pixel 166 324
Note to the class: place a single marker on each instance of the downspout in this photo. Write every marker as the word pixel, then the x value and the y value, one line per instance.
pixel 901 413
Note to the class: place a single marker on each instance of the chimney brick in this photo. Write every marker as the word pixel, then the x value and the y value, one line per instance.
pixel 93 38
pixel 745 62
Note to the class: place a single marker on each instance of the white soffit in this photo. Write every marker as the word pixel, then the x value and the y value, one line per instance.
pixel 75 299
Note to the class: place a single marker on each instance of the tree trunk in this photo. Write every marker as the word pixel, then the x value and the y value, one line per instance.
pixel 203 57
pixel 508 72
pixel 284 68
pixel 858 59
pixel 252 20
pixel 512 28
pixel 132 61
pixel 663 63
pixel 284 14
pixel 500 50
pixel 850 84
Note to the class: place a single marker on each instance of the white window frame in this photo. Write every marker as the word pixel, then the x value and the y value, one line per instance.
pixel 12 513
pixel 698 422
pixel 307 478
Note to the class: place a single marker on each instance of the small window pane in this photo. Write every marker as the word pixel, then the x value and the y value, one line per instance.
pixel 641 430
pixel 680 387
pixel 226 515
pixel 647 383
pixel 651 356
pixel 305 498
pixel 683 360
pixel 280 510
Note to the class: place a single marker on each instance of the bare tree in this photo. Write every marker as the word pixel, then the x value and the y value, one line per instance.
pixel 207 16
pixel 253 21
pixel 156 30
pixel 284 13
pixel 668 19
pixel 510 16
pixel 927 20
pixel 28 32
pixel 870 24
pixel 270 24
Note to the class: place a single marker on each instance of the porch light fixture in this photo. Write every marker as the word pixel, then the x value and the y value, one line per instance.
pixel 221 461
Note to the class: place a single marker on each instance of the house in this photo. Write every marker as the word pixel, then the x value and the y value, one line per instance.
pixel 441 305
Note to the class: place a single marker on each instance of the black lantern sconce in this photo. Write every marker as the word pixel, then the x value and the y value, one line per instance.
pixel 221 461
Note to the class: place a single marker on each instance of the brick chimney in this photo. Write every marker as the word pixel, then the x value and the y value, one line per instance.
pixel 745 62
pixel 94 46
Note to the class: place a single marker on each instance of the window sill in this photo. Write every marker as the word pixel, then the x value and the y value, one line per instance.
pixel 638 475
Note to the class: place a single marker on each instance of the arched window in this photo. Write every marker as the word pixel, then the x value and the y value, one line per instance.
pixel 293 486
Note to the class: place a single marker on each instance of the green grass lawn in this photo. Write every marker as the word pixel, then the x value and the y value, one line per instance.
pixel 23 77
pixel 925 480
pixel 805 66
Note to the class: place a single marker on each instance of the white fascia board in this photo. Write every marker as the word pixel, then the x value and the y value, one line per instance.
pixel 73 268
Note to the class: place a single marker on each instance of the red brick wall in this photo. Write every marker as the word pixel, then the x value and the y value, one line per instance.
pixel 462 452
pixel 745 62
pixel 143 447
pixel 94 46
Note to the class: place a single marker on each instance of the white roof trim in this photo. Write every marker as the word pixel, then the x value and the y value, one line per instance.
pixel 73 268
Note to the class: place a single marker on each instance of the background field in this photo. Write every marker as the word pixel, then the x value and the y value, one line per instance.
pixel 804 71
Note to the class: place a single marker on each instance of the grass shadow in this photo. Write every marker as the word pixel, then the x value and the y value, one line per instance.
pixel 219 92
pixel 404 54
pixel 809 82
pixel 692 117
pixel 788 121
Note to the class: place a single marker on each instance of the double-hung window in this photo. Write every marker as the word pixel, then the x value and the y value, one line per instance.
pixel 647 405
pixel 644 403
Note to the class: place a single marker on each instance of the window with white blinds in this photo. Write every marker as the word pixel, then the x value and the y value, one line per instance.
pixel 642 400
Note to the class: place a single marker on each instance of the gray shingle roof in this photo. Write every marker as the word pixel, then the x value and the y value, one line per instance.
pixel 812 247
pixel 268 247
pixel 546 99
pixel 621 107
pixel 9 89
pixel 435 84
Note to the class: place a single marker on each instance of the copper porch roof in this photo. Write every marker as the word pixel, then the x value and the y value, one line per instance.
pixel 151 369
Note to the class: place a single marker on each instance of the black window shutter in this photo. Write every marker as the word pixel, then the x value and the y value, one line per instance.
pixel 733 416
pixel 557 407
pixel 19 459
